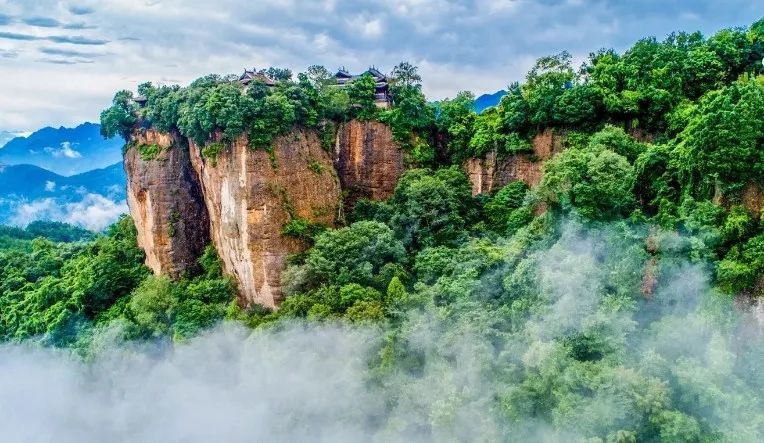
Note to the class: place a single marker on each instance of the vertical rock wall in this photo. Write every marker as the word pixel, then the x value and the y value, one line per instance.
pixel 166 204
pixel 368 161
pixel 491 173
pixel 242 199
pixel 251 195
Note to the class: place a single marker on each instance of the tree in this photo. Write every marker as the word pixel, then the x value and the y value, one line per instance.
pixel 617 140
pixel 596 182
pixel 361 96
pixel 456 119
pixel 515 110
pixel 411 120
pixel 722 144
pixel 431 208
pixel 320 77
pixel 544 83
pixel 279 74
pixel 353 254
pixel 500 207
pixel 488 135
pixel 578 107
pixel 120 118
pixel 406 75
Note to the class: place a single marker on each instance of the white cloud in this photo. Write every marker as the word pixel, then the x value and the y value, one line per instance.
pixel 50 186
pixel 64 151
pixel 94 211
pixel 184 39
pixel 372 28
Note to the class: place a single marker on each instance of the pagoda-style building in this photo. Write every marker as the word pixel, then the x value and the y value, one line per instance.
pixel 249 76
pixel 382 92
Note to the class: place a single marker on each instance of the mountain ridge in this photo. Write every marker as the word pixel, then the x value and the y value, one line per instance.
pixel 65 151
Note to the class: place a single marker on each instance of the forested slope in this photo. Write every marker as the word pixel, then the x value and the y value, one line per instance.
pixel 618 301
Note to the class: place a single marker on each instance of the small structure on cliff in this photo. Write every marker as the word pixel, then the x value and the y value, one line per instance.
pixel 381 93
pixel 140 100
pixel 249 76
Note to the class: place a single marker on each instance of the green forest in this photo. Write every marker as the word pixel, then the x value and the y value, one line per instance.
pixel 612 303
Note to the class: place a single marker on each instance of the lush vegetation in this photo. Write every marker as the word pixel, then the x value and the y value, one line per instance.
pixel 60 291
pixel 600 304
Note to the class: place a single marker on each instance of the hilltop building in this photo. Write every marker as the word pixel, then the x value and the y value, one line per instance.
pixel 382 92
pixel 249 76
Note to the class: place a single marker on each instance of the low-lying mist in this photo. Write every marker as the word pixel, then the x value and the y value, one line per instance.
pixel 597 351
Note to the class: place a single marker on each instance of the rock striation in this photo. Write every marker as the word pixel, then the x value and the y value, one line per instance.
pixel 240 199
pixel 491 172
pixel 183 196
pixel 368 161
pixel 165 200
pixel 251 195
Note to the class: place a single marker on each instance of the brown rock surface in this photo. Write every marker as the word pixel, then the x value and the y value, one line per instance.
pixel 250 200
pixel 491 173
pixel 368 161
pixel 753 198
pixel 166 204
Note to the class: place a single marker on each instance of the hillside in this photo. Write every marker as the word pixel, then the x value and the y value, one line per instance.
pixel 65 151
pixel 582 262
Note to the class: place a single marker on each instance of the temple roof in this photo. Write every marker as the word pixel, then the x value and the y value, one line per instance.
pixel 376 73
pixel 343 76
pixel 342 73
pixel 249 76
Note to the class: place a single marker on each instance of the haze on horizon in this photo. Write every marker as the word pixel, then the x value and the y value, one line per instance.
pixel 61 61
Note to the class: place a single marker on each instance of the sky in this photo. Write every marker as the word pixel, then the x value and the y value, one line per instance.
pixel 62 61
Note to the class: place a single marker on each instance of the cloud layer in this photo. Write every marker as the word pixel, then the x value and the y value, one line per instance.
pixel 92 48
pixel 92 211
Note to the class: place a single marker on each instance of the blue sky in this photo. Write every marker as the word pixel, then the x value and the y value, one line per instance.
pixel 61 61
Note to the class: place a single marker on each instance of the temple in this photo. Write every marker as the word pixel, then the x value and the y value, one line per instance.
pixel 382 91
pixel 249 76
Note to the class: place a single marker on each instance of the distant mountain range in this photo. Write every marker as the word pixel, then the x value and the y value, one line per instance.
pixel 65 151
pixel 30 182
pixel 92 199
pixel 483 102
pixel 488 100
pixel 6 136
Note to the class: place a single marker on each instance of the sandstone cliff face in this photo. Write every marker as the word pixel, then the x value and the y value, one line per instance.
pixel 166 204
pixel 368 161
pixel 491 173
pixel 250 196
pixel 241 199
pixel 753 198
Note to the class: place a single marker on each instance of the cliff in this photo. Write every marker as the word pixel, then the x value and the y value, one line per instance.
pixel 251 195
pixel 240 198
pixel 492 172
pixel 368 161
pixel 165 200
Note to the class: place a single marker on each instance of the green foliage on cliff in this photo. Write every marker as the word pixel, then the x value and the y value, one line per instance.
pixel 149 152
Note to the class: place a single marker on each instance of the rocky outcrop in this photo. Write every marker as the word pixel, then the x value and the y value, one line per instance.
pixel 752 198
pixel 492 172
pixel 240 198
pixel 251 194
pixel 165 201
pixel 368 161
